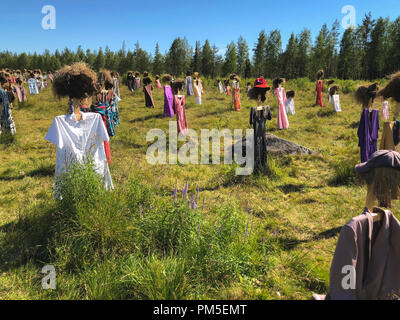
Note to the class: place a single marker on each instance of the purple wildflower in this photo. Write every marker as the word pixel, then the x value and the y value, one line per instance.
pixel 194 205
pixel 263 239
pixel 140 208
pixel 197 192
pixel 150 207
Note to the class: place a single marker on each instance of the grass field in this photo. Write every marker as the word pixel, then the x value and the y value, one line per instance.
pixel 257 237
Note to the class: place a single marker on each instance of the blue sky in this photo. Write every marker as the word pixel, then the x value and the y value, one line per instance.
pixel 95 23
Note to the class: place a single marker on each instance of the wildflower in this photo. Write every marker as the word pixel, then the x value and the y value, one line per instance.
pixel 140 208
pixel 194 205
pixel 198 228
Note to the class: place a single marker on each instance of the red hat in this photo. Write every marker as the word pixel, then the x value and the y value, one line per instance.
pixel 261 83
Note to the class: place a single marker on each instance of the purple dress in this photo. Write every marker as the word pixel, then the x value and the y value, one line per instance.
pixel 168 102
pixel 368 131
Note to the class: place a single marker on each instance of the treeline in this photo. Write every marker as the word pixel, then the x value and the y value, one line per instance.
pixel 369 51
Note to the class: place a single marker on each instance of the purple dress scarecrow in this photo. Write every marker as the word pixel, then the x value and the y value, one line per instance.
pixel 168 101
pixel 368 131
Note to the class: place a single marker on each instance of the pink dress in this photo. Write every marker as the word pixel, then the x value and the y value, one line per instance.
pixel 179 106
pixel 158 84
pixel 283 122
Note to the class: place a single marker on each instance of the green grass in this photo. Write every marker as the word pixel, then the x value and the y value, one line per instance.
pixel 259 237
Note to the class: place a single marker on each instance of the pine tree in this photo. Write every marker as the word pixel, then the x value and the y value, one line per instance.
pixel 289 58
pixel 230 63
pixel 303 53
pixel 347 68
pixel 273 51
pixel 242 55
pixel 259 54
pixel 100 60
pixel 207 60
pixel 378 49
pixel 195 64
pixel 158 61
pixel 177 57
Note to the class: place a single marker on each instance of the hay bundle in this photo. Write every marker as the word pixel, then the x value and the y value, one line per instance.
pixel 177 85
pixel 234 77
pixel 255 92
pixel 145 74
pixel 166 78
pixel 4 77
pixel 277 82
pixel 334 90
pixel 290 94
pixel 76 81
pixel 392 90
pixel 147 80
pixel 330 82
pixel 366 94
pixel 105 79
pixel 320 74
pixel 385 184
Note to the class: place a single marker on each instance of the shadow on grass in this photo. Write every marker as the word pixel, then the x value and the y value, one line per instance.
pixel 44 171
pixel 7 139
pixel 25 240
pixel 148 117
pixel 324 113
pixel 354 125
pixel 289 244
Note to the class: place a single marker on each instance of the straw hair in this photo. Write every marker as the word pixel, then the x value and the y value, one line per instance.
pixel 320 74
pixel 147 80
pixel 330 82
pixel 177 85
pixel 76 81
pixel 234 77
pixel 385 184
pixel 392 90
pixel 333 90
pixel 290 94
pixel 255 92
pixel 105 78
pixel 4 77
pixel 166 78
pixel 196 74
pixel 277 82
pixel 366 94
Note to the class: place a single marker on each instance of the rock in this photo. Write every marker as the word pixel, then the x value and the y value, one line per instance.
pixel 279 146
pixel 276 145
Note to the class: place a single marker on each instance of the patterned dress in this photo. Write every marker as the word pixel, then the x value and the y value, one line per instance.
pixel 6 120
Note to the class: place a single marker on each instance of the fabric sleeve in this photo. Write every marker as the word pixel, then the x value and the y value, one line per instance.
pixel 345 255
pixel 251 115
pixel 54 135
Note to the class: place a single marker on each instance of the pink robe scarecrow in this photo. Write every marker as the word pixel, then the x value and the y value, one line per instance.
pixel 319 89
pixel 179 106
pixel 283 122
